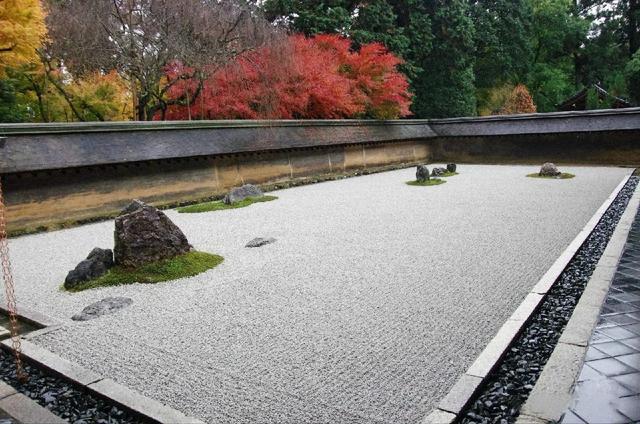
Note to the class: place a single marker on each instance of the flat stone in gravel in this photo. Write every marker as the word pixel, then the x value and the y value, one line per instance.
pixel 259 242
pixel 355 319
pixel 102 307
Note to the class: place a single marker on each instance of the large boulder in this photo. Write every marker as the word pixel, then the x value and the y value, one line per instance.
pixel 97 264
pixel 106 306
pixel 451 167
pixel 144 234
pixel 422 173
pixel 438 172
pixel 549 170
pixel 238 194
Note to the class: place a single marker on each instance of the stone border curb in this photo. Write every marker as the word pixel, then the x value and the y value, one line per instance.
pixel 552 393
pixel 23 409
pixel 459 397
pixel 120 395
pixel 4 333
pixel 32 317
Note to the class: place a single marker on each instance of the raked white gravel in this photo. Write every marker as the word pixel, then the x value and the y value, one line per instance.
pixel 374 299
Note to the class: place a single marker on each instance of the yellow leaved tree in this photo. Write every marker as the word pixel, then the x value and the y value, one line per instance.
pixel 22 30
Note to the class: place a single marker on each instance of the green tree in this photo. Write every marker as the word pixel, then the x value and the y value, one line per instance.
pixel 502 41
pixel 446 88
pixel 558 34
pixel 632 71
pixel 311 17
pixel 11 110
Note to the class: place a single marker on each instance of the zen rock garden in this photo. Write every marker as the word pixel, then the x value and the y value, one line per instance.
pixel 345 284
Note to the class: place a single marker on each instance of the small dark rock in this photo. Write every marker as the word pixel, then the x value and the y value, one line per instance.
pixel 97 263
pixel 422 173
pixel 238 194
pixel 438 172
pixel 451 167
pixel 106 306
pixel 147 235
pixel 549 170
pixel 259 242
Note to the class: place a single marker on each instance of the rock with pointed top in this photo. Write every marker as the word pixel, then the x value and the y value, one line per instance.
pixel 145 234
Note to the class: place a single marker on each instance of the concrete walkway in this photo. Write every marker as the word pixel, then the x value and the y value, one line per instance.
pixel 608 388
pixel 375 298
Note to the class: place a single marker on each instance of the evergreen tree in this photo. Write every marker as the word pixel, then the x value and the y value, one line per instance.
pixel 446 88
pixel 311 17
pixel 502 47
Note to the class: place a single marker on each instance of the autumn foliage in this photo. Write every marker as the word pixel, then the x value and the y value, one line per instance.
pixel 22 30
pixel 519 101
pixel 300 78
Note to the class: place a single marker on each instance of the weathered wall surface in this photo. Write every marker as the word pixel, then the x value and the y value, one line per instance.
pixel 57 175
pixel 49 199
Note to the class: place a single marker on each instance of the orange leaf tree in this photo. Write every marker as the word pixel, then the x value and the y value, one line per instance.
pixel 519 101
pixel 302 78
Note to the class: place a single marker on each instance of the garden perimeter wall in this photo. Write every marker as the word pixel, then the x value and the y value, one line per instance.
pixel 60 174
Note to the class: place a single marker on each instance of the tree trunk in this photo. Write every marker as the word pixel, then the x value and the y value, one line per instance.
pixel 634 26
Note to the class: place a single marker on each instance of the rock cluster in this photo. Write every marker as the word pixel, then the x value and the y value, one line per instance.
pixel 97 263
pixel 238 194
pixel 145 234
pixel 549 170
pixel 106 306
pixel 422 173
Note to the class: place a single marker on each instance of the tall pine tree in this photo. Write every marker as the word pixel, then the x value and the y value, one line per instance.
pixel 446 88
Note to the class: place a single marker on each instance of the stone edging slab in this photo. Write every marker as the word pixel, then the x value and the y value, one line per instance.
pixel 104 387
pixel 32 317
pixel 467 385
pixel 25 410
pixel 552 393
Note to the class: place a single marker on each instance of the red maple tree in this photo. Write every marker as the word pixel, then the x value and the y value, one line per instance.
pixel 302 78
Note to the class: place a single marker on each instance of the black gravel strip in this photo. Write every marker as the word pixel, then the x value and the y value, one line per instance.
pixel 64 399
pixel 508 387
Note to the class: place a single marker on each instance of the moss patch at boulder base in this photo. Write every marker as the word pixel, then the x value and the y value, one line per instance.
pixel 220 205
pixel 431 182
pixel 186 265
pixel 563 176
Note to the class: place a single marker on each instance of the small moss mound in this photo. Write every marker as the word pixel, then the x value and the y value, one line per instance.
pixel 431 182
pixel 220 205
pixel 187 265
pixel 448 174
pixel 563 176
